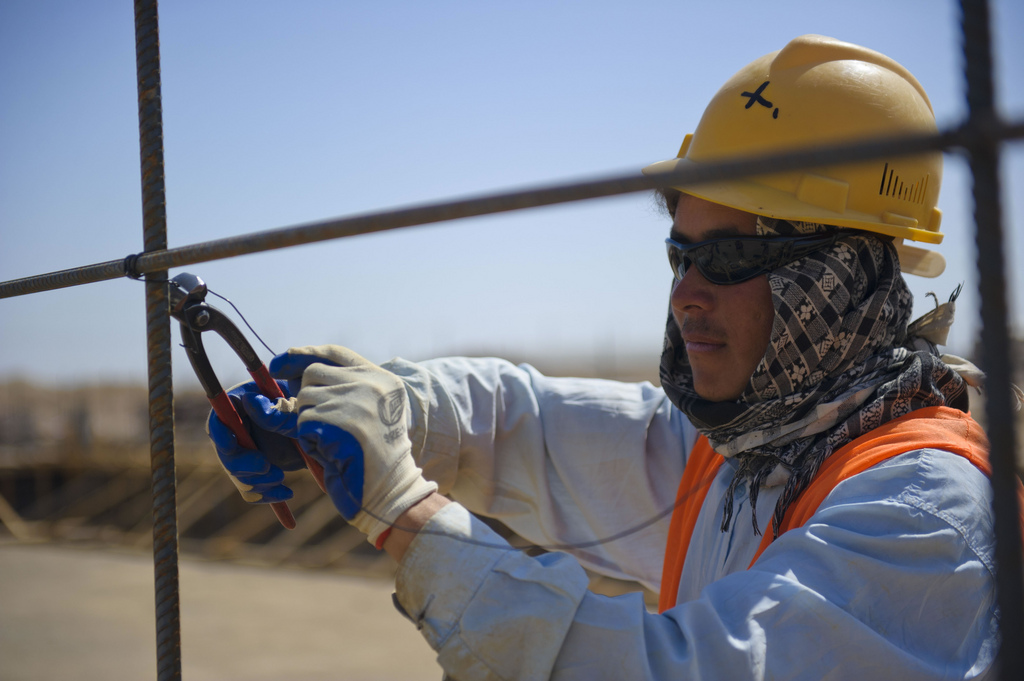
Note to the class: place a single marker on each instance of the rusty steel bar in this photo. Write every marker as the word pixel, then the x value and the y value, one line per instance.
pixel 158 334
pixel 995 340
pixel 148 263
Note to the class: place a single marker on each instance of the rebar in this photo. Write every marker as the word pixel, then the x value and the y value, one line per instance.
pixel 158 336
pixel 980 136
pixel 152 262
pixel 995 339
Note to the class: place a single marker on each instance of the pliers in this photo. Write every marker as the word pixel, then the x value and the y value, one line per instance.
pixel 189 307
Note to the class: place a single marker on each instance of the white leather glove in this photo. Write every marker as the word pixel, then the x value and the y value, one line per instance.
pixel 352 420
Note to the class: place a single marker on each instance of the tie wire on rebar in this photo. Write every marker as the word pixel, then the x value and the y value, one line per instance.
pixel 980 137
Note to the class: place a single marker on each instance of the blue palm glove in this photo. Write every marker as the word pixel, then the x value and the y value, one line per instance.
pixel 258 474
pixel 352 420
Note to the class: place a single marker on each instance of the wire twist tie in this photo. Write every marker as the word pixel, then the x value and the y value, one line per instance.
pixel 129 266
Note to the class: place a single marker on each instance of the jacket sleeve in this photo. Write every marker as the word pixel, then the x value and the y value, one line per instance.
pixel 561 461
pixel 891 578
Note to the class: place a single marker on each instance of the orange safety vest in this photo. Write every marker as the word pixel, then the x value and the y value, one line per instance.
pixel 942 428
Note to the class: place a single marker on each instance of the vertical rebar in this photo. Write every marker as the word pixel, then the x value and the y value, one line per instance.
pixel 995 342
pixel 158 334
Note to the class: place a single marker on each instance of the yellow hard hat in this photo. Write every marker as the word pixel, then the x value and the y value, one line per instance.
pixel 819 91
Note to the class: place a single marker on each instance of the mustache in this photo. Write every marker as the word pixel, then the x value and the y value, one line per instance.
pixel 700 327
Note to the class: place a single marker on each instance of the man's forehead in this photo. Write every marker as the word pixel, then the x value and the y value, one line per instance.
pixel 697 220
pixel 717 232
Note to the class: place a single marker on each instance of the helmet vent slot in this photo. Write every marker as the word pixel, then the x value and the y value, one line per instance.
pixel 898 188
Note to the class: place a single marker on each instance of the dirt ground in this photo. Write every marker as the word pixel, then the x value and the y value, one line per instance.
pixel 71 612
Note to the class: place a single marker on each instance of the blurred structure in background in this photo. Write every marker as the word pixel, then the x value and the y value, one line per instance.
pixel 74 467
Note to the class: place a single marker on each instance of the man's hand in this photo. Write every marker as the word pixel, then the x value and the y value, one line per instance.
pixel 352 420
pixel 258 473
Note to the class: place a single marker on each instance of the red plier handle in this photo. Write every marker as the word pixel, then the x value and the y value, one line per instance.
pixel 189 307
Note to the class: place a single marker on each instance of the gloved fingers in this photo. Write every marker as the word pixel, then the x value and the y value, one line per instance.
pixel 262 489
pixel 252 473
pixel 246 394
pixel 291 364
pixel 238 461
pixel 340 494
pixel 265 414
pixel 223 439
pixel 237 392
pixel 271 429
pixel 247 463
pixel 259 481
pixel 269 494
pixel 271 477
pixel 341 455
pixel 251 387
pixel 273 449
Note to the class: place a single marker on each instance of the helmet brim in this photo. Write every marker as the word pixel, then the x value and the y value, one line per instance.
pixel 753 197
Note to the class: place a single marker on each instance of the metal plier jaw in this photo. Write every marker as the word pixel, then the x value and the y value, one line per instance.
pixel 195 317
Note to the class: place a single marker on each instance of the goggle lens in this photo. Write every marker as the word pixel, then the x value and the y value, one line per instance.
pixel 733 260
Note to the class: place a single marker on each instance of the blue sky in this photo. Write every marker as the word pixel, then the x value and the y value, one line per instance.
pixel 280 113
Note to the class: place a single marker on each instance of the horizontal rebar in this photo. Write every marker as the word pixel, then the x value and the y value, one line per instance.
pixel 284 237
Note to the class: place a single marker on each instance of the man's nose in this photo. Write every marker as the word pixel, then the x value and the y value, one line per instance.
pixel 693 292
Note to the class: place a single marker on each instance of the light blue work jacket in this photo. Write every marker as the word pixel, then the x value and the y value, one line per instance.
pixel 892 578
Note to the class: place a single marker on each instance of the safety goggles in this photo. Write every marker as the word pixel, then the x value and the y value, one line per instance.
pixel 736 259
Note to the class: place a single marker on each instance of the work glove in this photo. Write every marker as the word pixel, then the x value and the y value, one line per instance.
pixel 258 475
pixel 352 420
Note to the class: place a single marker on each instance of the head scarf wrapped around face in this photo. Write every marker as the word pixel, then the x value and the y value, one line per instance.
pixel 836 366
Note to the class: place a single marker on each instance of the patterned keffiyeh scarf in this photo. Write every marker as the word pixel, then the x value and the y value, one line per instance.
pixel 839 364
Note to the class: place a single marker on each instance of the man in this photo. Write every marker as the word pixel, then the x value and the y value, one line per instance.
pixel 830 513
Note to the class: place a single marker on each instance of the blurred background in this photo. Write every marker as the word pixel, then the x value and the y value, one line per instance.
pixel 278 114
pixel 283 113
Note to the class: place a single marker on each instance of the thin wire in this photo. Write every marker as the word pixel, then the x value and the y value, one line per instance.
pixel 569 546
pixel 224 298
pixel 239 313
